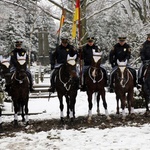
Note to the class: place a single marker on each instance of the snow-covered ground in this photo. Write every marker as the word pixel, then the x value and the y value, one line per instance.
pixel 119 138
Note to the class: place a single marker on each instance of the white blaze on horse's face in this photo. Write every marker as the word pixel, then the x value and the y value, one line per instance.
pixel 6 61
pixel 71 60
pixel 21 59
pixel 97 56
pixel 122 66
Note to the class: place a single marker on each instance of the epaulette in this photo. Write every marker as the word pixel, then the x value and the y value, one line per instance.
pixel 129 49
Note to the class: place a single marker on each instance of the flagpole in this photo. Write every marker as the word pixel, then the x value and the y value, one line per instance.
pixel 79 30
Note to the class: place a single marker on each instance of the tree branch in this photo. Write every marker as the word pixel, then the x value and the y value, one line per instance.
pixel 97 12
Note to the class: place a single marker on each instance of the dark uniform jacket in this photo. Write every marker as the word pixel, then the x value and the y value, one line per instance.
pixel 119 52
pixel 13 60
pixel 145 51
pixel 60 54
pixel 87 54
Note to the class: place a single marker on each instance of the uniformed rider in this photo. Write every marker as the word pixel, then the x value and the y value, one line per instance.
pixel 122 52
pixel 86 56
pixel 145 57
pixel 59 57
pixel 13 61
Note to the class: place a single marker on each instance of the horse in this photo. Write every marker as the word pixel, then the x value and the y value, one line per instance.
pixel 146 86
pixel 124 86
pixel 20 90
pixel 67 86
pixel 4 79
pixel 95 83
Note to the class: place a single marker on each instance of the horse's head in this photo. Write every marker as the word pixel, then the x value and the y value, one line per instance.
pixel 96 61
pixel 5 61
pixel 71 66
pixel 21 65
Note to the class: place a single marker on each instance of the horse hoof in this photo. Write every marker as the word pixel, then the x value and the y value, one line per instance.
pixel 132 116
pixel 62 120
pixel 27 123
pixel 23 120
pixel 15 123
pixel 89 120
pixel 1 128
pixel 147 114
pixel 123 118
pixel 108 118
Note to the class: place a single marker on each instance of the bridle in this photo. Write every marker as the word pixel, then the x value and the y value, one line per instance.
pixel 93 76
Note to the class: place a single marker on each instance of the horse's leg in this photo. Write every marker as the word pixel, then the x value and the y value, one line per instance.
pixel 117 99
pixel 130 102
pixel 16 109
pixel 67 101
pixel 105 104
pixel 22 111
pixel 123 106
pixel 26 112
pixel 98 99
pixel 61 107
pixel 90 106
pixel 1 128
pixel 71 108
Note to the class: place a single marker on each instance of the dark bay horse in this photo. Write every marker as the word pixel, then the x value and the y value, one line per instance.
pixel 20 90
pixel 124 85
pixel 146 86
pixel 67 86
pixel 4 79
pixel 95 82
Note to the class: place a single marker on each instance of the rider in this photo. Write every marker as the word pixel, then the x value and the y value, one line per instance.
pixel 59 57
pixel 122 52
pixel 13 61
pixel 86 56
pixel 145 56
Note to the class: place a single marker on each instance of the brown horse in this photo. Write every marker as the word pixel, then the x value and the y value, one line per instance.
pixel 124 85
pixel 95 83
pixel 20 90
pixel 146 86
pixel 67 85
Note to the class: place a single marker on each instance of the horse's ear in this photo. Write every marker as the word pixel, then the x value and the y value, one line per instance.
pixel 18 56
pixel 1 58
pixel 68 57
pixel 126 61
pixel 75 56
pixel 118 62
pixel 25 56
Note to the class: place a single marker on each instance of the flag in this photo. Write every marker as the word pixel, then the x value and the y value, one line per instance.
pixel 62 19
pixel 75 18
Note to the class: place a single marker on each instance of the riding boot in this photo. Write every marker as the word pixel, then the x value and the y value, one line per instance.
pixel 83 87
pixel 52 87
pixel 31 81
pixel 8 89
pixel 111 86
pixel 105 76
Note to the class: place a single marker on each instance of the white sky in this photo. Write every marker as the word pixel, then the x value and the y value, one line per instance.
pixel 119 138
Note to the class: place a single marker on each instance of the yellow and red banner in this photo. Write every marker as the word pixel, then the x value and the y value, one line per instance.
pixel 76 18
pixel 62 19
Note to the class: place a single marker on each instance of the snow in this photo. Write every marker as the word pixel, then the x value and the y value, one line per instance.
pixel 119 138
